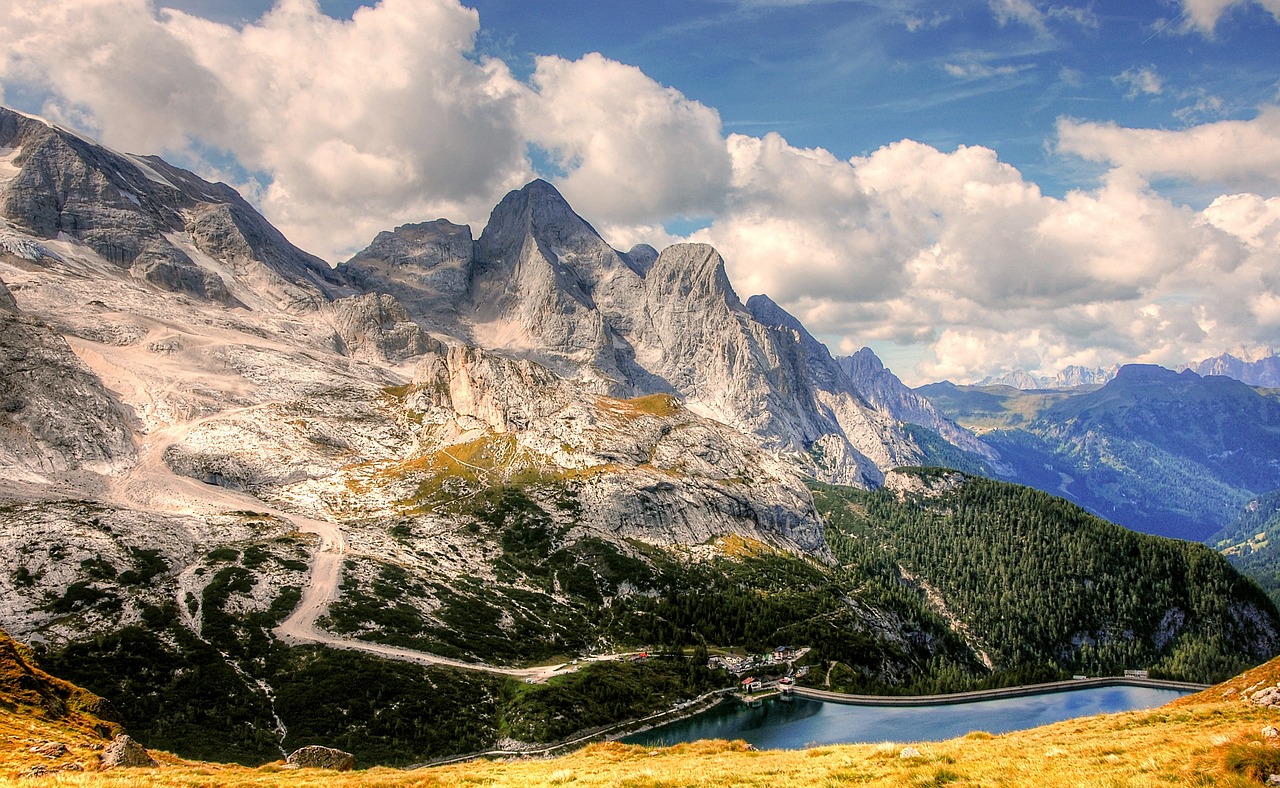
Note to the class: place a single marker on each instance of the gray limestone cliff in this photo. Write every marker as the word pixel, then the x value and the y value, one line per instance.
pixel 55 414
pixel 163 225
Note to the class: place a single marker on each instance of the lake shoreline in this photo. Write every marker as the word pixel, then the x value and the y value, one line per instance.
pixel 975 696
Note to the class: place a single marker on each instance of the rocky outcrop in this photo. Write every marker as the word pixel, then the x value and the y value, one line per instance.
pixel 923 483
pixel 652 469
pixel 376 327
pixel 317 757
pixel 55 414
pixel 125 753
pixel 7 301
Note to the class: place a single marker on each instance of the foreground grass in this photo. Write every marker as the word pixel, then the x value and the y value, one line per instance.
pixel 1210 739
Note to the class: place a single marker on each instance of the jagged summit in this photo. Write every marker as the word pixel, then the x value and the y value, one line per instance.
pixel 541 284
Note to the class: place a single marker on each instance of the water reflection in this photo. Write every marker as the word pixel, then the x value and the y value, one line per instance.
pixel 800 722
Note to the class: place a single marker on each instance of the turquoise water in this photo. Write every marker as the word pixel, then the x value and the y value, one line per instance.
pixel 796 723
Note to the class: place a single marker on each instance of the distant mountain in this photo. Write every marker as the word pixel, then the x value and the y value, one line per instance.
pixel 1261 368
pixel 1162 452
pixel 1068 377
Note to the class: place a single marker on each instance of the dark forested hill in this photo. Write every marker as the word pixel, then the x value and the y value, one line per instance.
pixel 1040 583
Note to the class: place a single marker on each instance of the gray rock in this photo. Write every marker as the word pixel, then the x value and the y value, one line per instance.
pixel 377 327
pixel 1267 696
pixel 55 414
pixel 50 749
pixel 169 268
pixel 317 757
pixel 7 302
pixel 124 752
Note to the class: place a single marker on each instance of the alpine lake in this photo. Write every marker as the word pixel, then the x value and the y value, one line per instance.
pixel 790 722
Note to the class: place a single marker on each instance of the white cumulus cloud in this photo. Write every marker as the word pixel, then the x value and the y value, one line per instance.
pixel 1203 15
pixel 634 151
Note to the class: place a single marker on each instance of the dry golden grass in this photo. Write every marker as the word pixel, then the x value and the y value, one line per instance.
pixel 1205 740
pixel 736 546
pixel 663 405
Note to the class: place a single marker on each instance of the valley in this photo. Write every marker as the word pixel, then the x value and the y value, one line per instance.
pixel 412 505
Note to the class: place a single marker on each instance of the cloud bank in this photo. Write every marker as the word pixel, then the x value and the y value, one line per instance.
pixel 343 128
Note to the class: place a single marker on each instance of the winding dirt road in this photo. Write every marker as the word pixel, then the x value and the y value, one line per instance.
pixel 322 589
pixel 151 485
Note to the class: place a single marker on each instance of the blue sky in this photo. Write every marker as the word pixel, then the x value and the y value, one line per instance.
pixel 964 186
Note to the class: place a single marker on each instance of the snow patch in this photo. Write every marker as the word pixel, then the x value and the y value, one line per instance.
pixel 152 174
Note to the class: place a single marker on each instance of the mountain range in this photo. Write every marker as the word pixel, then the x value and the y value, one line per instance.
pixel 235 477
pixel 1165 452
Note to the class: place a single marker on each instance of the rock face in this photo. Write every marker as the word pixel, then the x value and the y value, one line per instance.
pixel 887 393
pixel 376 327
pixel 124 752
pixel 542 284
pixel 55 414
pixel 317 757
pixel 426 266
pixel 163 225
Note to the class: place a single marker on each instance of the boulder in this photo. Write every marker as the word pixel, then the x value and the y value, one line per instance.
pixel 124 751
pixel 317 757
pixel 50 749
pixel 1268 696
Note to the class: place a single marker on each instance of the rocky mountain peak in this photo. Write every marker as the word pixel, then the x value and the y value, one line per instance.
pixel 866 359
pixel 694 271
pixel 641 258
pixel 535 213
pixel 151 219
pixel 422 245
